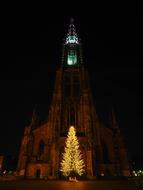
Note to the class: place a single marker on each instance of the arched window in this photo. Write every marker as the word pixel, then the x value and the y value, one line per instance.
pixel 41 148
pixel 72 116
pixel 105 153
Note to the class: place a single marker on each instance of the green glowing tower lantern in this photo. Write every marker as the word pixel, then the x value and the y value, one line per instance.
pixel 72 58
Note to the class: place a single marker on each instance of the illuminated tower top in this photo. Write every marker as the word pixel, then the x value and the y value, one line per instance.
pixel 72 48
pixel 72 37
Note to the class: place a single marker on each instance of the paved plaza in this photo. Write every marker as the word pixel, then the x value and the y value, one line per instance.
pixel 67 185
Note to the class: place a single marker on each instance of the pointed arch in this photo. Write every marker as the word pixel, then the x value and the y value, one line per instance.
pixel 105 152
pixel 41 147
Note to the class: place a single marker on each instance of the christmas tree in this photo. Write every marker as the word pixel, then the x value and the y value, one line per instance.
pixel 72 162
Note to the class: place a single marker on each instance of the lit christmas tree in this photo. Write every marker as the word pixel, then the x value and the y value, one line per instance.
pixel 72 162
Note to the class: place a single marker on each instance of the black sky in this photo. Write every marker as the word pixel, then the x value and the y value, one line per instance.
pixel 31 45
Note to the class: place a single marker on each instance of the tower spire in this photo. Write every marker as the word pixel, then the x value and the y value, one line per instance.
pixel 71 20
pixel 34 117
pixel 72 37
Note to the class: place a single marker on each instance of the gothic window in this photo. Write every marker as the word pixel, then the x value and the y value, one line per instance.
pixel 49 151
pixel 67 86
pixel 76 79
pixel 67 79
pixel 76 90
pixel 76 86
pixel 67 90
pixel 105 153
pixel 72 116
pixel 41 148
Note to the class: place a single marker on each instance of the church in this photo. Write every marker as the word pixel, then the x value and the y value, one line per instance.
pixel 103 149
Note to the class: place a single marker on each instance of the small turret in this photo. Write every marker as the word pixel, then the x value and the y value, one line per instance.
pixel 34 119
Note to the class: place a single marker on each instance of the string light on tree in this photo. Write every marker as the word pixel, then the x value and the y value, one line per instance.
pixel 72 162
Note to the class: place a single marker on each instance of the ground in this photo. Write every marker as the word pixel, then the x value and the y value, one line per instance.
pixel 67 185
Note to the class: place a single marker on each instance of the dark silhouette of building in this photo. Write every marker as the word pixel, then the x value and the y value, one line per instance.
pixel 72 104
pixel 8 163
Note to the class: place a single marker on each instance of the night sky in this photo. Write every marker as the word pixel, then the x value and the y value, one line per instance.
pixel 31 47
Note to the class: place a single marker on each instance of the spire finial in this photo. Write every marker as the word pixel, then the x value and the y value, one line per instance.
pixel 34 115
pixel 71 20
pixel 72 37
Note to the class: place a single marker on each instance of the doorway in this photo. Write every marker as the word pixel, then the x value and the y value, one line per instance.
pixel 38 173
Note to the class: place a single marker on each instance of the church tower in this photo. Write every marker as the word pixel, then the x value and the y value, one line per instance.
pixel 72 104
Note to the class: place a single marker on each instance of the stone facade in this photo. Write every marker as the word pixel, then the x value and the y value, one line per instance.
pixel 1 162
pixel 72 104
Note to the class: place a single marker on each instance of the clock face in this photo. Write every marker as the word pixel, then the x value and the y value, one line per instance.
pixel 72 58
